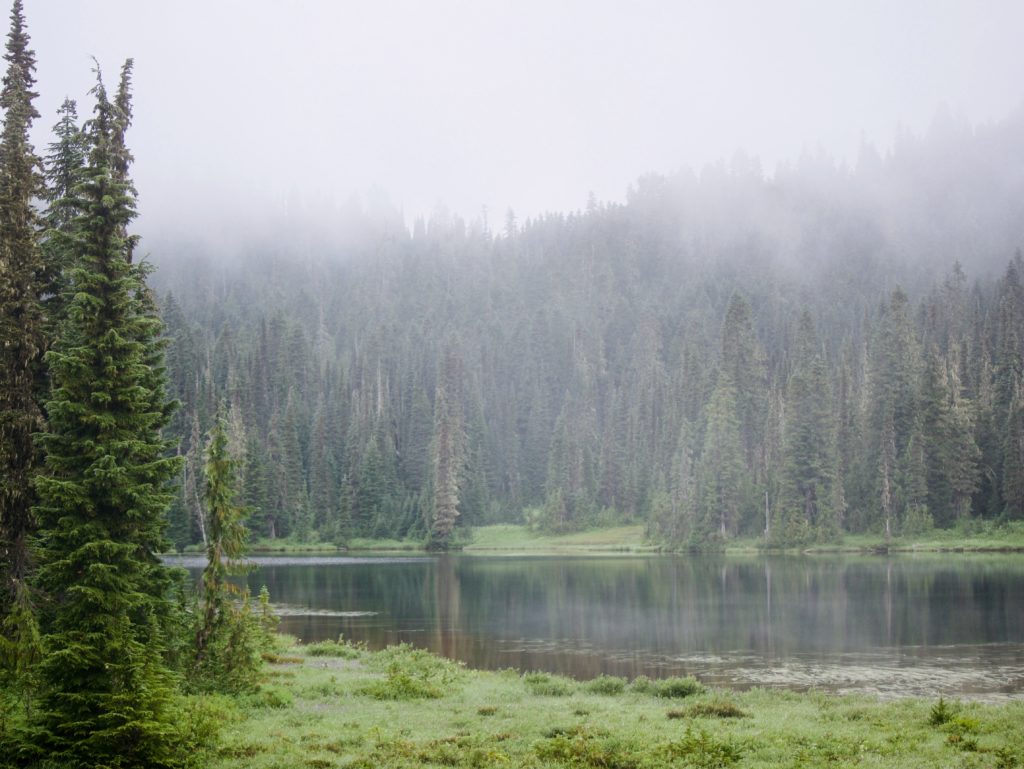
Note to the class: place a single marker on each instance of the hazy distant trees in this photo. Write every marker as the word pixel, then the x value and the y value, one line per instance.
pixel 721 355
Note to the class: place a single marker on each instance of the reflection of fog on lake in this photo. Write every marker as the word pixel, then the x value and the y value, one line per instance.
pixel 903 626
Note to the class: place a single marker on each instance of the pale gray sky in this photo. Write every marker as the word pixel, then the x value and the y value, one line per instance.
pixel 241 104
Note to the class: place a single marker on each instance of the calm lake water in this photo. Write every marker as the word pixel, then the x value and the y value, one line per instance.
pixel 908 626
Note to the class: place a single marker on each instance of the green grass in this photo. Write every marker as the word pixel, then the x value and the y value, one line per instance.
pixel 364 713
pixel 369 543
pixel 508 538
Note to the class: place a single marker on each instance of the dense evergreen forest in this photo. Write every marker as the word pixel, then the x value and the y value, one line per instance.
pixel 795 356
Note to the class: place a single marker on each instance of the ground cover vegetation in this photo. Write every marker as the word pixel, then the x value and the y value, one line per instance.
pixel 400 707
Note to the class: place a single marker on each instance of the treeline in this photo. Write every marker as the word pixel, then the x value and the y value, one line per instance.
pixel 724 355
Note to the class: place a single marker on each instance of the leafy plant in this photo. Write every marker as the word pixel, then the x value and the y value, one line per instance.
pixel 608 685
pixel 547 685
pixel 340 648
pixel 678 687
pixel 701 750
pixel 412 673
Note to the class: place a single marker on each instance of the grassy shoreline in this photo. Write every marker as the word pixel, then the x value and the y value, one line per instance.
pixel 512 539
pixel 335 705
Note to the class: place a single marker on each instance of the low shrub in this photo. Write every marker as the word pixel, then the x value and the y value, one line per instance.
pixel 270 696
pixel 582 747
pixel 678 687
pixel 412 673
pixel 941 713
pixel 608 685
pixel 201 722
pixel 547 685
pixel 715 709
pixel 341 648
pixel 701 750
pixel 642 685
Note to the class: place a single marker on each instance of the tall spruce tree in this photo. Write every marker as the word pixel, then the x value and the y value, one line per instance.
pixel 23 338
pixel 449 450
pixel 226 657
pixel 809 453
pixel 105 688
pixel 63 165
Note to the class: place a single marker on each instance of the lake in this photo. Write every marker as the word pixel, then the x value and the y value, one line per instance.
pixel 903 626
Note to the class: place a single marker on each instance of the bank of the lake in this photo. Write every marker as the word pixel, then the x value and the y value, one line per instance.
pixel 503 539
pixel 406 708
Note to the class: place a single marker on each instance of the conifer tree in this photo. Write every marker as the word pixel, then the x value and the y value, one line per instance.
pixel 105 689
pixel 64 161
pixel 23 338
pixel 448 450
pixel 226 657
pixel 720 469
pixel 809 455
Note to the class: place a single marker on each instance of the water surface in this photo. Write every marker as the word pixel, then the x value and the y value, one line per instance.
pixel 903 626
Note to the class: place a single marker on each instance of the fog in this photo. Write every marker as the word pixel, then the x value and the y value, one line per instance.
pixel 247 111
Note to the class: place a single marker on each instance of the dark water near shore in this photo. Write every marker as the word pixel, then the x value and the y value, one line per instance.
pixel 911 626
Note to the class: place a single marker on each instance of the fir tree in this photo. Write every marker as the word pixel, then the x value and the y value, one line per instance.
pixel 23 338
pixel 64 162
pixel 226 657
pixel 105 690
pixel 448 449
pixel 720 469
pixel 809 456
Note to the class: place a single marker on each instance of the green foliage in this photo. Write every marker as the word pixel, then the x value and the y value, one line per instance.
pixel 642 685
pixel 24 332
pixel 609 685
pixel 702 750
pixel 941 713
pixel 341 648
pixel 106 694
pixel 548 685
pixel 412 673
pixel 230 635
pixel 270 696
pixel 201 723
pixel 581 747
pixel 714 708
pixel 677 687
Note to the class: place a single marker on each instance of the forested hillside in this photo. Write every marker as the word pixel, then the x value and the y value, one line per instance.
pixel 838 349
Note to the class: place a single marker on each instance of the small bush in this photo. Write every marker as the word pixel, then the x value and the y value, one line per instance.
pixel 678 687
pixel 412 674
pixel 546 685
pixel 201 722
pixel 1006 758
pixel 340 648
pixel 486 710
pixel 581 747
pixel 273 658
pixel 270 697
pixel 966 744
pixel 608 685
pixel 715 709
pixel 701 750
pixel 941 713
pixel 642 685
